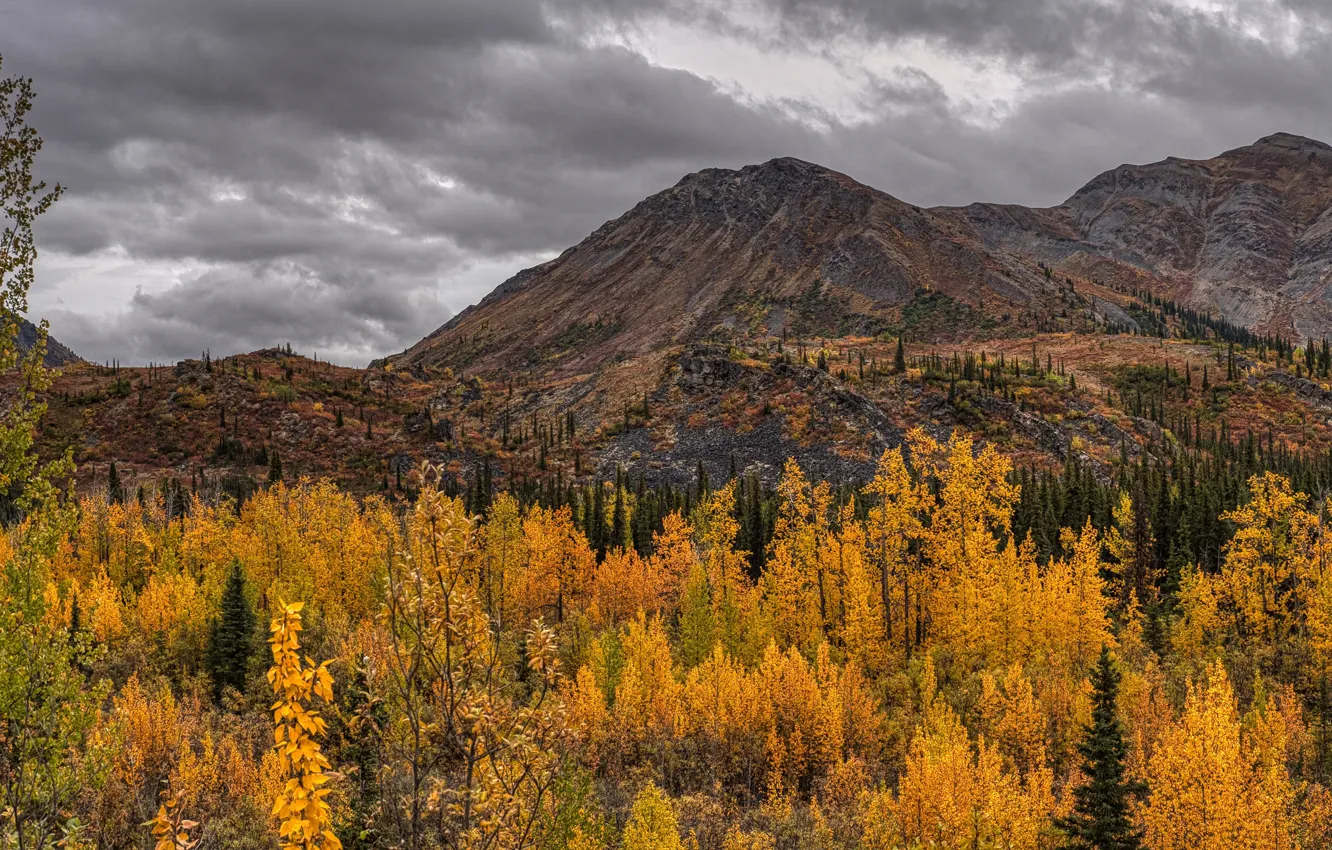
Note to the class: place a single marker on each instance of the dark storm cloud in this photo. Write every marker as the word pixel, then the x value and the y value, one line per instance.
pixel 324 165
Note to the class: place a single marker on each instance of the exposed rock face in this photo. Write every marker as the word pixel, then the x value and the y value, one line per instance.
pixel 1246 235
pixel 56 354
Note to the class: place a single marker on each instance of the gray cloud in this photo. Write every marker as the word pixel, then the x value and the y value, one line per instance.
pixel 327 171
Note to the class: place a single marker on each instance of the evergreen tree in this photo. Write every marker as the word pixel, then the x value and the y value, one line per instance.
pixel 231 636
pixel 274 467
pixel 114 491
pixel 1100 818
pixel 619 519
pixel 899 358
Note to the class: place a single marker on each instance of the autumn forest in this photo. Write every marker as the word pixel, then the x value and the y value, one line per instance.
pixel 911 676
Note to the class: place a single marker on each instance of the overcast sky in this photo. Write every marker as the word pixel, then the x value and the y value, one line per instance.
pixel 342 174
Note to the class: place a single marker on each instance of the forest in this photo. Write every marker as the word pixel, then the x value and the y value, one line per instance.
pixel 901 671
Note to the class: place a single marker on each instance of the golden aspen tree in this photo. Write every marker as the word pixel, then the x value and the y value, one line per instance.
pixel 673 556
pixel 1070 613
pixel 1212 786
pixel 1267 565
pixel 588 715
pixel 560 564
pixel 503 553
pixel 1198 632
pixel 722 708
pixel 975 503
pixel 652 822
pixel 647 696
pixel 470 751
pixel 974 506
pixel 301 808
pixel 894 524
pixel 793 591
pixel 862 630
pixel 735 600
pixel 956 795
pixel 625 583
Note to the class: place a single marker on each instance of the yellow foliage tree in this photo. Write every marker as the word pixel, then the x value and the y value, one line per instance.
pixel 301 808
pixel 894 524
pixel 1268 565
pixel 1214 786
pixel 652 823
pixel 957 795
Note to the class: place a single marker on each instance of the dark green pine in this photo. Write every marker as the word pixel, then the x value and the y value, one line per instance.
pixel 1100 819
pixel 231 636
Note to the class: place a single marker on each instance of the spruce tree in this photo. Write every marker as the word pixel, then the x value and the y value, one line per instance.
pixel 1100 818
pixel 114 490
pixel 619 519
pixel 274 467
pixel 899 358
pixel 231 636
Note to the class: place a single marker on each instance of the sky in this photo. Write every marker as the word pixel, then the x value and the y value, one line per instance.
pixel 343 175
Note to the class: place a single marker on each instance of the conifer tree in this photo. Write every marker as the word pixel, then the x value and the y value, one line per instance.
pixel 274 467
pixel 114 490
pixel 619 518
pixel 1100 818
pixel 231 636
pixel 899 358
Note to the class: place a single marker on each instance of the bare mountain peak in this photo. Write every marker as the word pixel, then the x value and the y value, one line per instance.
pixel 782 173
pixel 1290 141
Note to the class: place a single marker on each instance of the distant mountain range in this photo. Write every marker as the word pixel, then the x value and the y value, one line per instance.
pixel 789 246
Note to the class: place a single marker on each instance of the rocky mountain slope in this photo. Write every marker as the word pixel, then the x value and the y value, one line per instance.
pixel 782 247
pixel 1246 235
pixel 791 247
pixel 56 354
pixel 743 317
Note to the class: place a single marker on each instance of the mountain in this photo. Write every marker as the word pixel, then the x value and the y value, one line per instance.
pixel 1246 235
pixel 742 317
pixel 795 247
pixel 56 354
pixel 783 246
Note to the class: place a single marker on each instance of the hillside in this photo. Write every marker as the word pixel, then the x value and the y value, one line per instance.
pixel 1246 235
pixel 791 248
pixel 742 317
pixel 782 248
pixel 57 354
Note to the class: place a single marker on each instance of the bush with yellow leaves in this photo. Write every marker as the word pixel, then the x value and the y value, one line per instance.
pixel 300 807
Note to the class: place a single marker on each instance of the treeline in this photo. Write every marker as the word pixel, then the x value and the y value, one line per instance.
pixel 1176 492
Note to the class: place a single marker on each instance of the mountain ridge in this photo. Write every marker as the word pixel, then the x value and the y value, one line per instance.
pixel 1246 235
